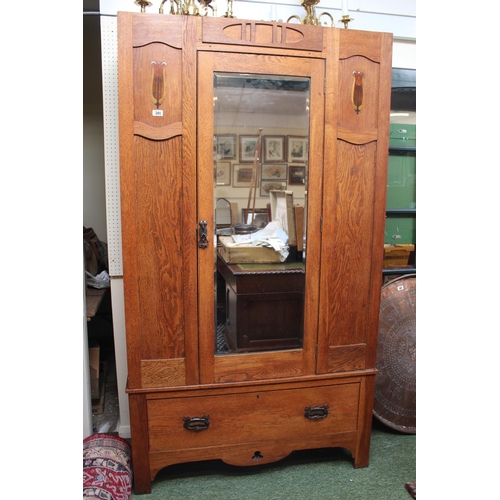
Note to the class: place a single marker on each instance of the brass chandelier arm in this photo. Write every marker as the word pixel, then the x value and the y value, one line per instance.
pixel 327 14
pixel 187 7
pixel 311 17
pixel 143 4
pixel 190 8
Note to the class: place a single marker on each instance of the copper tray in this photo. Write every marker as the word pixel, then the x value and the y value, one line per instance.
pixel 395 385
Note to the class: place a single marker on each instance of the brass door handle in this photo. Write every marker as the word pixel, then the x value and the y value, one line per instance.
pixel 202 231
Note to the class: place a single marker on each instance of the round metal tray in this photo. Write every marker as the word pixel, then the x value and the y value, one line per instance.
pixel 395 384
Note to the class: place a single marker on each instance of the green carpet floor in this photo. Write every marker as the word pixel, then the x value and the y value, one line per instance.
pixel 325 474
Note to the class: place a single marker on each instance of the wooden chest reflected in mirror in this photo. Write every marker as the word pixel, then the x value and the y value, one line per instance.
pixel 263 305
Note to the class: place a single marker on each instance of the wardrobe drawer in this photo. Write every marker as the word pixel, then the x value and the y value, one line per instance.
pixel 194 422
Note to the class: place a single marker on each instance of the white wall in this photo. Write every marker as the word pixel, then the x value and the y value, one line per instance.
pixel 94 195
pixel 394 16
pixel 404 54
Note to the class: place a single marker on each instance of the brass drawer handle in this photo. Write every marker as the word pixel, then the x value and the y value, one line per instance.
pixel 196 423
pixel 316 412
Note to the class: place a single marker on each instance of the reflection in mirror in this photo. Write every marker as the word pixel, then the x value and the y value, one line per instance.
pixel 261 131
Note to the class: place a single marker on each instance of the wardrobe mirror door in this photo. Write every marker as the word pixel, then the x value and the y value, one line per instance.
pixel 260 157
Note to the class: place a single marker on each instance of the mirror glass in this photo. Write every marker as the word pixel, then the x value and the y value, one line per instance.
pixel 261 132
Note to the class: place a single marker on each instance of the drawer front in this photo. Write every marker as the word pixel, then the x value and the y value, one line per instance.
pixel 252 416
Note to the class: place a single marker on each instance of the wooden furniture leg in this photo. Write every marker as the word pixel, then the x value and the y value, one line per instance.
pixel 140 446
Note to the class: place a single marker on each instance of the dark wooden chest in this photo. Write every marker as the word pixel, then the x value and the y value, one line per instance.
pixel 264 305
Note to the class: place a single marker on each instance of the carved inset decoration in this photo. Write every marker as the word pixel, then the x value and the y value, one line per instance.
pixel 357 91
pixel 263 33
pixel 158 82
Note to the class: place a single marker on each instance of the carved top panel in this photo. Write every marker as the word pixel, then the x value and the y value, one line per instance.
pixel 262 33
pixel 149 28
pixel 360 43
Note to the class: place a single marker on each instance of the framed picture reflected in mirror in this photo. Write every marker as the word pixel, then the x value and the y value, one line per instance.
pixel 274 172
pixel 297 175
pixel 274 148
pixel 226 147
pixel 242 175
pixel 223 173
pixel 260 217
pixel 297 149
pixel 248 145
pixel 266 186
